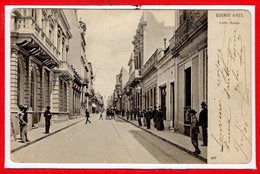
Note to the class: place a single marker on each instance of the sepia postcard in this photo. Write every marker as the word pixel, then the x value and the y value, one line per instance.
pixel 152 87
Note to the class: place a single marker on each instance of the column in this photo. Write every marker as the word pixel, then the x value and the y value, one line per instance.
pixel 13 79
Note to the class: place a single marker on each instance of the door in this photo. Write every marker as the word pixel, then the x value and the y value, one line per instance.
pixel 163 101
pixel 172 103
pixel 187 119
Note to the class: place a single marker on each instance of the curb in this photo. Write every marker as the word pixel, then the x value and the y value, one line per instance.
pixel 36 140
pixel 170 142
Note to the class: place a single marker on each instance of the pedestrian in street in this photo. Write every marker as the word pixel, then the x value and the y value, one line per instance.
pixel 194 131
pixel 87 116
pixel 47 115
pixel 139 115
pixel 107 114
pixel 144 117
pixel 127 114
pixel 148 118
pixel 160 117
pixel 101 116
pixel 154 113
pixel 131 114
pixel 24 124
pixel 135 113
pixel 203 122
pixel 123 113
pixel 19 115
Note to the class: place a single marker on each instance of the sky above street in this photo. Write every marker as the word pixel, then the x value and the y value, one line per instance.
pixel 109 39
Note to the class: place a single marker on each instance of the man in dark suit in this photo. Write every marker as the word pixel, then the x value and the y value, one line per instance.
pixel 25 124
pixel 154 113
pixel 148 118
pixel 47 115
pixel 203 122
pixel 87 116
pixel 194 131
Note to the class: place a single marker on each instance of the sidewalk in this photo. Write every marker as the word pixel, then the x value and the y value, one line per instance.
pixel 39 133
pixel 178 140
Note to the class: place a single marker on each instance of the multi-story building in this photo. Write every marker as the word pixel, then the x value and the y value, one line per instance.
pixel 165 82
pixel 189 49
pixel 150 35
pixel 149 81
pixel 42 74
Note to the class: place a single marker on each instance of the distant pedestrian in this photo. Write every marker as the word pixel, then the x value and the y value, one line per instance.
pixel 101 116
pixel 131 114
pixel 135 113
pixel 123 113
pixel 148 118
pixel 154 115
pixel 47 115
pixel 24 124
pixel 127 114
pixel 107 114
pixel 160 117
pixel 203 122
pixel 194 131
pixel 144 117
pixel 87 116
pixel 19 115
pixel 139 116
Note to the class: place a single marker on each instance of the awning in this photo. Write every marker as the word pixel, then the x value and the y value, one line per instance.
pixel 94 105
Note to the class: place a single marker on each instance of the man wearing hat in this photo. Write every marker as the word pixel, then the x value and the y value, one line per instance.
pixel 203 122
pixel 194 131
pixel 19 115
pixel 47 115
pixel 24 124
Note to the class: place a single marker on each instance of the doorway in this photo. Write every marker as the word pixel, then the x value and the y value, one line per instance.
pixel 163 101
pixel 172 103
pixel 187 97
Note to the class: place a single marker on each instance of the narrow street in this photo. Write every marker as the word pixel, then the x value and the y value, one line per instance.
pixel 103 141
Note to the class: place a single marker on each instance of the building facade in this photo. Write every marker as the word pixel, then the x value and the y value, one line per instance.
pixel 150 35
pixel 149 81
pixel 189 49
pixel 165 81
pixel 41 64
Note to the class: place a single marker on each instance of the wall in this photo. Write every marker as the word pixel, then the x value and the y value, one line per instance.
pixel 166 69
pixel 154 35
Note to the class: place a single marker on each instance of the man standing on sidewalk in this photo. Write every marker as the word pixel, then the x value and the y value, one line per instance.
pixel 194 131
pixel 160 117
pixel 19 115
pixel 148 118
pixel 87 116
pixel 203 122
pixel 24 124
pixel 47 115
pixel 155 117
pixel 139 115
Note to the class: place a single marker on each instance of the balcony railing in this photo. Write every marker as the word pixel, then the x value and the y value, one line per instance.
pixel 27 27
pixel 187 28
pixel 135 76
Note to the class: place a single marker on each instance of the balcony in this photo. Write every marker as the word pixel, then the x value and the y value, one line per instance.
pixel 135 77
pixel 151 62
pixel 28 35
pixel 65 71
pixel 187 30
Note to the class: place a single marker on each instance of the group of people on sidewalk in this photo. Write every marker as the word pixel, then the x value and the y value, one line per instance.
pixel 22 115
pixel 195 123
pixel 157 116
pixel 144 117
